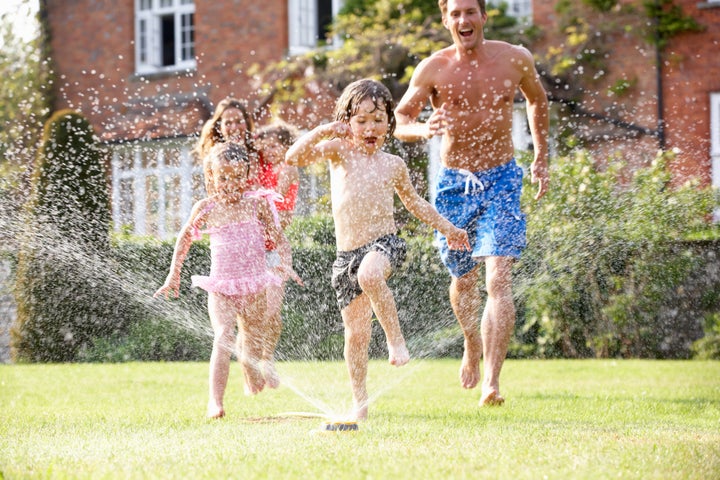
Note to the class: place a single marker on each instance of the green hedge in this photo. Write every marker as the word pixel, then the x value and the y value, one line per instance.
pixel 605 274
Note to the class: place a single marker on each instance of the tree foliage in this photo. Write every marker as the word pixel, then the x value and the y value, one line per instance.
pixel 24 107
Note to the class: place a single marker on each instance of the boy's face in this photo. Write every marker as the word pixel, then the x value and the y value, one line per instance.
pixel 369 126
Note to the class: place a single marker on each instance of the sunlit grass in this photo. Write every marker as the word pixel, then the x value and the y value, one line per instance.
pixel 562 419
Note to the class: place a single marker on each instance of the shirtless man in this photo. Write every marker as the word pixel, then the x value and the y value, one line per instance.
pixel 471 86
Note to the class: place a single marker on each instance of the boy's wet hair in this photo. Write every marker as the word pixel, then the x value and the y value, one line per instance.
pixel 356 92
pixel 284 133
pixel 443 6
pixel 233 153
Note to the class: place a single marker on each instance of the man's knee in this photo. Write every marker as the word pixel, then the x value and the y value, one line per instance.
pixel 466 283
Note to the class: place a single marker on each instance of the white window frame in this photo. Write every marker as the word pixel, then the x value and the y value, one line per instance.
pixel 148 35
pixel 715 144
pixel 517 8
pixel 303 24
pixel 188 171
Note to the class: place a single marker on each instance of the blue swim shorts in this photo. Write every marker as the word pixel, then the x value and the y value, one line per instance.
pixel 487 205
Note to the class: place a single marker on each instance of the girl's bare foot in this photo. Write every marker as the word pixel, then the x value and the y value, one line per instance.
pixel 215 411
pixel 399 354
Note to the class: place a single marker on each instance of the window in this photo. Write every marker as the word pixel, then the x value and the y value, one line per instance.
pixel 518 8
pixel 308 22
pixel 154 186
pixel 164 35
pixel 715 143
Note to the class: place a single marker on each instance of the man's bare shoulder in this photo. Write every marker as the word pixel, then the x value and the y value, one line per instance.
pixel 437 60
pixel 506 51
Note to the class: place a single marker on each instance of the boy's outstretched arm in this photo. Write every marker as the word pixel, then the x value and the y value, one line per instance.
pixel 457 238
pixel 312 146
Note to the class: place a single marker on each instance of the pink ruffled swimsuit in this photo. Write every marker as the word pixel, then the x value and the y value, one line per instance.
pixel 237 259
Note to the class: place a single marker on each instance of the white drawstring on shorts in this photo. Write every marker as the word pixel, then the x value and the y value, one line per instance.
pixel 471 179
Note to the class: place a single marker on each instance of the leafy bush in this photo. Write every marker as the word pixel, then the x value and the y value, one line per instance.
pixel 708 347
pixel 60 292
pixel 602 258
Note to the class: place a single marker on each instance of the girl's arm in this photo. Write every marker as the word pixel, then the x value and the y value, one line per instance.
pixel 273 231
pixel 182 246
pixel 317 144
pixel 287 175
pixel 457 238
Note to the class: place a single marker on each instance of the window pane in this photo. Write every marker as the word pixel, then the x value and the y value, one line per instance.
pixel 167 36
pixel 172 219
pixel 125 194
pixel 143 41
pixel 188 36
pixel 145 4
pixel 166 3
pixel 152 206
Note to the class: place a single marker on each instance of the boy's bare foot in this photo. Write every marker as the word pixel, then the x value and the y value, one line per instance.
pixel 360 411
pixel 215 411
pixel 491 397
pixel 254 381
pixel 470 366
pixel 399 354
pixel 272 379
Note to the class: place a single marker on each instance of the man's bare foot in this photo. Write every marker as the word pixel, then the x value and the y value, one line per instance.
pixel 215 411
pixel 399 354
pixel 272 379
pixel 470 368
pixel 491 398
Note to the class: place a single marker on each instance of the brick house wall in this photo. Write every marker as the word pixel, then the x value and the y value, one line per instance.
pixel 151 121
pixel 92 45
pixel 690 73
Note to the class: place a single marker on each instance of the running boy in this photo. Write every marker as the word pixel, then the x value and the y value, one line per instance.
pixel 363 182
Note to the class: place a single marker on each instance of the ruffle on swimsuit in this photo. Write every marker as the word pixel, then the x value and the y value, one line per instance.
pixel 237 253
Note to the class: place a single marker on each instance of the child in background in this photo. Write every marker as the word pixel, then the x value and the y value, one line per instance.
pixel 272 141
pixel 363 181
pixel 232 121
pixel 238 220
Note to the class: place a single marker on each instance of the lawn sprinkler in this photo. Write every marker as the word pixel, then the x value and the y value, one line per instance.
pixel 339 427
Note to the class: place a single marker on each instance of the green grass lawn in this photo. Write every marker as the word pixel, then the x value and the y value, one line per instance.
pixel 562 419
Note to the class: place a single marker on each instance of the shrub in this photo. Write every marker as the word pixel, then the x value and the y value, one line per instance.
pixel 60 293
pixel 602 258
pixel 708 347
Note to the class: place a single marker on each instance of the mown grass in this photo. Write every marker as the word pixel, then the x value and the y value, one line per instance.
pixel 590 419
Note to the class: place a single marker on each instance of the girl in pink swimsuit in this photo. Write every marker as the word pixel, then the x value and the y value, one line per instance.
pixel 239 221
